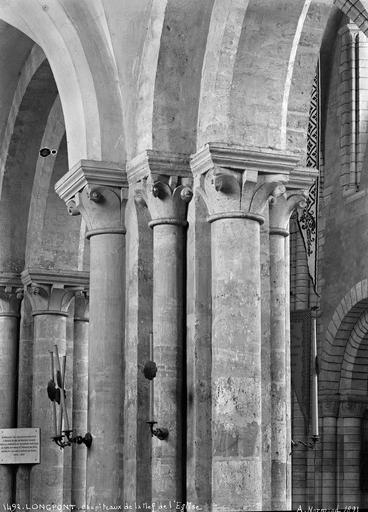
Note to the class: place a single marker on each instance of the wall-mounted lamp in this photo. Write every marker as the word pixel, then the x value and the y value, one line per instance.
pixel 57 395
pixel 160 433
pixel 70 439
pixel 150 371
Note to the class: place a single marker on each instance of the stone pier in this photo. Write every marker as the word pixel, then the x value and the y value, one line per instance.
pixel 49 293
pixel 281 208
pixel 236 184
pixel 97 190
pixel 9 321
pixel 80 396
pixel 162 181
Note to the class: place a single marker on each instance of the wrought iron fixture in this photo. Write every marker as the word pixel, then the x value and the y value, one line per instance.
pixel 67 439
pixel 57 395
pixel 311 445
pixel 150 371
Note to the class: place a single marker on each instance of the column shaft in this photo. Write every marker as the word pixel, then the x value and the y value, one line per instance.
pixel 168 335
pixel 351 492
pixel 288 375
pixel 278 372
pixel 46 477
pixel 236 365
pixel 329 473
pixel 24 419
pixel 80 403
pixel 8 384
pixel 106 370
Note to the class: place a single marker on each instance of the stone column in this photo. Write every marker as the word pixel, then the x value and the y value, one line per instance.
pixel 281 208
pixel 288 373
pixel 162 182
pixel 80 397
pixel 50 297
pixel 9 320
pixel 97 190
pixel 237 184
pixel 24 416
pixel 329 407
pixel 350 415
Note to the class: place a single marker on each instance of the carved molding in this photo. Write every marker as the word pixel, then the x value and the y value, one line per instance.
pixel 158 163
pixel 76 279
pixel 10 279
pixel 242 159
pixel 302 178
pixel 92 173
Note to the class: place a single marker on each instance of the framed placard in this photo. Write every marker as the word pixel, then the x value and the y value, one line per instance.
pixel 19 446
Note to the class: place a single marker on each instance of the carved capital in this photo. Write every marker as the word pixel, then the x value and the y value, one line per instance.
pixel 238 182
pixel 348 33
pixel 81 308
pixel 10 294
pixel 98 191
pixel 50 293
pixel 282 207
pixel 163 182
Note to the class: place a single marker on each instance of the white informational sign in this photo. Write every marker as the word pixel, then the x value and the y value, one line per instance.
pixel 19 446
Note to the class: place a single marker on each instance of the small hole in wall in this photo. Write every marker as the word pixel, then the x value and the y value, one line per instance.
pixel 44 152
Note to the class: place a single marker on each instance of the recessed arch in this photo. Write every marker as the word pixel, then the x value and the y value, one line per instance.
pixel 86 81
pixel 52 236
pixel 36 96
pixel 353 380
pixel 32 64
pixel 347 314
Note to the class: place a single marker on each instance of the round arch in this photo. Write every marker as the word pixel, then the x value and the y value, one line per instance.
pixel 340 337
pixel 86 80
pixel 353 379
